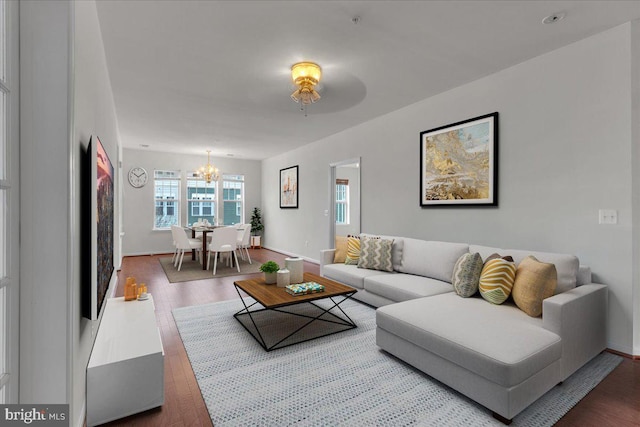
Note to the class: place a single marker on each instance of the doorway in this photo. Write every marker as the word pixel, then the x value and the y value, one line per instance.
pixel 344 199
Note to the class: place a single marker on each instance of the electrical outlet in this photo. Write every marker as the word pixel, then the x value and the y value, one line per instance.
pixel 306 243
pixel 326 212
pixel 607 216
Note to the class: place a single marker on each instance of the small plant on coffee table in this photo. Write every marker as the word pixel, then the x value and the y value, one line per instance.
pixel 270 267
pixel 270 270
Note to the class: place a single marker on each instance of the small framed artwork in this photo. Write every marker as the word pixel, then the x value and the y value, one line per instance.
pixel 289 187
pixel 459 163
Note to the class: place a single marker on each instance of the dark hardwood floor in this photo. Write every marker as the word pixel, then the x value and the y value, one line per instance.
pixel 614 402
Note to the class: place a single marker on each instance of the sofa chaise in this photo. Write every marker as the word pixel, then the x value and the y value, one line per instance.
pixel 497 355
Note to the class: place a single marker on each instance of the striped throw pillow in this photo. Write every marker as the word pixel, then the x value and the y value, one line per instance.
pixel 496 280
pixel 375 254
pixel 466 274
pixel 353 250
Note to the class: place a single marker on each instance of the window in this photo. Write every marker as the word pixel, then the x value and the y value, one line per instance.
pixel 233 199
pixel 342 201
pixel 201 198
pixel 167 199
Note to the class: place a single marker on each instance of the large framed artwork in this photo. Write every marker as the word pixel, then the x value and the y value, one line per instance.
pixel 459 163
pixel 289 187
pixel 97 222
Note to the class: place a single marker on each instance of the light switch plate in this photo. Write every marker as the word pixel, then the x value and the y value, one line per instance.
pixel 607 216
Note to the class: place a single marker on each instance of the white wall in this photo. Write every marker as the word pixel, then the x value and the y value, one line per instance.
pixel 139 236
pixel 65 98
pixel 565 152
pixel 94 114
pixel 45 156
pixel 635 156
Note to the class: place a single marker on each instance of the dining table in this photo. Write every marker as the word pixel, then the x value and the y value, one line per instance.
pixel 204 231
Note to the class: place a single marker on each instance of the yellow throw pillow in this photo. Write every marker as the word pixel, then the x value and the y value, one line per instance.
pixel 535 281
pixel 496 280
pixel 353 250
pixel 341 250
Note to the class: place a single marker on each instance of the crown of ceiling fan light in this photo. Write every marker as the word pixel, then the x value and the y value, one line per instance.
pixel 306 75
pixel 209 172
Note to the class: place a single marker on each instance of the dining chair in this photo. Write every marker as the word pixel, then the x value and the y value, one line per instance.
pixel 184 243
pixel 175 247
pixel 197 234
pixel 223 240
pixel 244 237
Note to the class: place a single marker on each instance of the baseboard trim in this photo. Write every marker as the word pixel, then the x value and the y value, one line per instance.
pixel 146 254
pixel 625 355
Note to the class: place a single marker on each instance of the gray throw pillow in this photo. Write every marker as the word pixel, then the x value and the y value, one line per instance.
pixel 375 254
pixel 466 274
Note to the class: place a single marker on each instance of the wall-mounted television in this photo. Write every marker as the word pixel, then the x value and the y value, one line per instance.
pixel 97 225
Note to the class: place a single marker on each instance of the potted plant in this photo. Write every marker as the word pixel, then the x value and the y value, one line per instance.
pixel 256 227
pixel 270 270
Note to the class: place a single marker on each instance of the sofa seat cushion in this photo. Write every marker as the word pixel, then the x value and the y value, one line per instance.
pixel 350 275
pixel 500 343
pixel 403 287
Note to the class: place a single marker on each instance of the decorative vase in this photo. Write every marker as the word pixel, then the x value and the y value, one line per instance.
pixel 296 269
pixel 270 278
pixel 283 278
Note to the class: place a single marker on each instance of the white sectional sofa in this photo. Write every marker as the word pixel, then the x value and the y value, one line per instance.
pixel 495 354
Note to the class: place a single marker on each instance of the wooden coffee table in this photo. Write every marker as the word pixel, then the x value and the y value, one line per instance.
pixel 289 317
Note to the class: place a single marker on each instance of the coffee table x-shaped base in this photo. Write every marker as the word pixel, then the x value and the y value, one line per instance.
pixel 329 314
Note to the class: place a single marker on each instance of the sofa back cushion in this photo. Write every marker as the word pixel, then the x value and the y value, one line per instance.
pixel 431 258
pixel 566 265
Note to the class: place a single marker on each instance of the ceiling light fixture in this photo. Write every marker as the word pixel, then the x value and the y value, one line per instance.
pixel 305 75
pixel 209 172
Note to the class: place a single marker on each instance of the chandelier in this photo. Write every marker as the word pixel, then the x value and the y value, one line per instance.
pixel 209 172
pixel 305 75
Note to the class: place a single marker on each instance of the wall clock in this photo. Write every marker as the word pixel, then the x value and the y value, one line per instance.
pixel 138 177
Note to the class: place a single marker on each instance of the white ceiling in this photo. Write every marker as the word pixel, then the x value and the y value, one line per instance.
pixel 188 76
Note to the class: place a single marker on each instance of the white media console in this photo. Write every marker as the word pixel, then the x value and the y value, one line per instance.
pixel 125 374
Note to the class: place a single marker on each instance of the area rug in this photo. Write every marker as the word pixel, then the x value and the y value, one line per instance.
pixel 343 379
pixel 192 270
